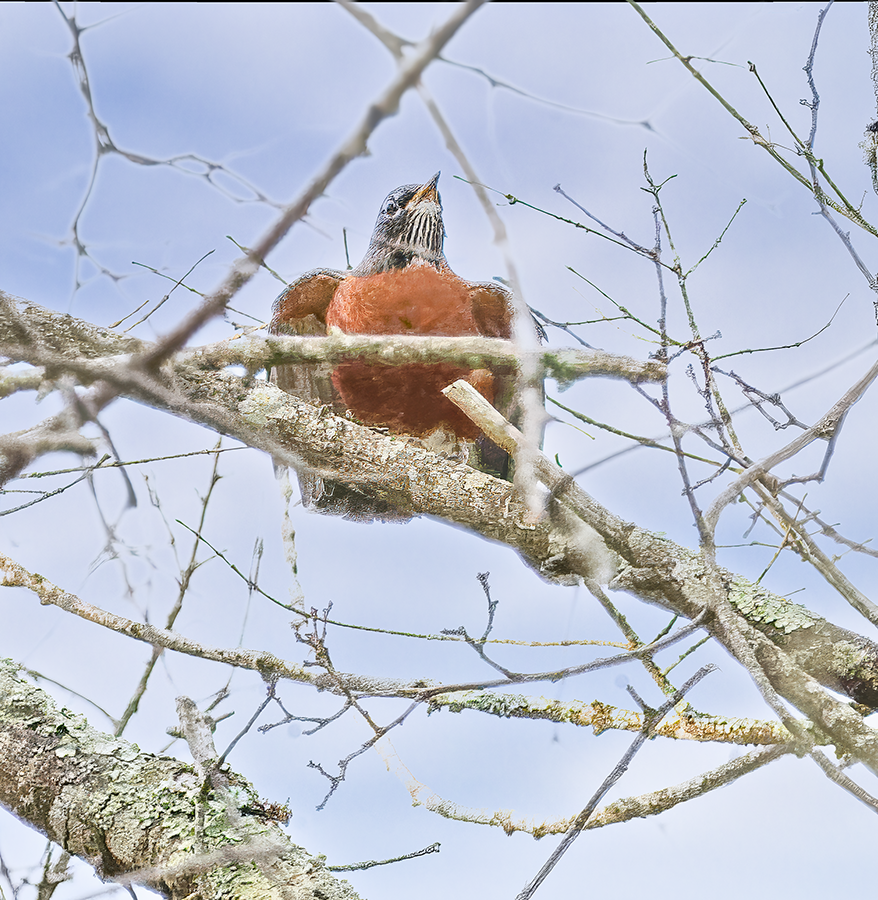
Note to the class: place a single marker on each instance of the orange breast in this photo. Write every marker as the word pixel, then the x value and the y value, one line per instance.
pixel 417 300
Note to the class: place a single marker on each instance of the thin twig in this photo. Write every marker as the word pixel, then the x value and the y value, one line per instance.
pixel 621 767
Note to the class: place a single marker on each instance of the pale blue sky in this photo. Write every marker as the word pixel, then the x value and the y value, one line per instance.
pixel 269 91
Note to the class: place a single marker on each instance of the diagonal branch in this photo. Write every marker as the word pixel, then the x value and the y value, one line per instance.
pixel 794 649
pixel 132 815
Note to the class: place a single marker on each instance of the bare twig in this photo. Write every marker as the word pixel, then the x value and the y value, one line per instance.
pixel 621 767
pixel 824 429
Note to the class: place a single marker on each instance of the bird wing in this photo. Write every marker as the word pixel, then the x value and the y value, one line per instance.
pixel 301 309
pixel 492 308
pixel 493 311
pixel 309 295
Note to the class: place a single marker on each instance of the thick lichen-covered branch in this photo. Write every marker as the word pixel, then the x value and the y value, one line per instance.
pixel 133 815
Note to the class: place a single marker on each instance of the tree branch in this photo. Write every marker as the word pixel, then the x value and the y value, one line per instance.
pixel 568 543
pixel 132 815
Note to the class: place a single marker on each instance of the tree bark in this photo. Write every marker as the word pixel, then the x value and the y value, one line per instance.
pixel 141 818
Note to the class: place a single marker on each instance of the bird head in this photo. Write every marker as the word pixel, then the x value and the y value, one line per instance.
pixel 409 226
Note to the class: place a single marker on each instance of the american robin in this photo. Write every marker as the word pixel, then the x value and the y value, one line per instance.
pixel 404 285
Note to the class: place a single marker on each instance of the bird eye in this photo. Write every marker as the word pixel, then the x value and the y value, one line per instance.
pixel 391 207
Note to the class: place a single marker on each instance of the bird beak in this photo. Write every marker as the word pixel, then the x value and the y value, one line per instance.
pixel 429 191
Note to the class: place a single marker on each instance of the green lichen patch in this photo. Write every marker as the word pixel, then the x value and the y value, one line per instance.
pixel 761 607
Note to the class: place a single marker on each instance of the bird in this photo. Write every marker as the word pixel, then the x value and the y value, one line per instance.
pixel 404 285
